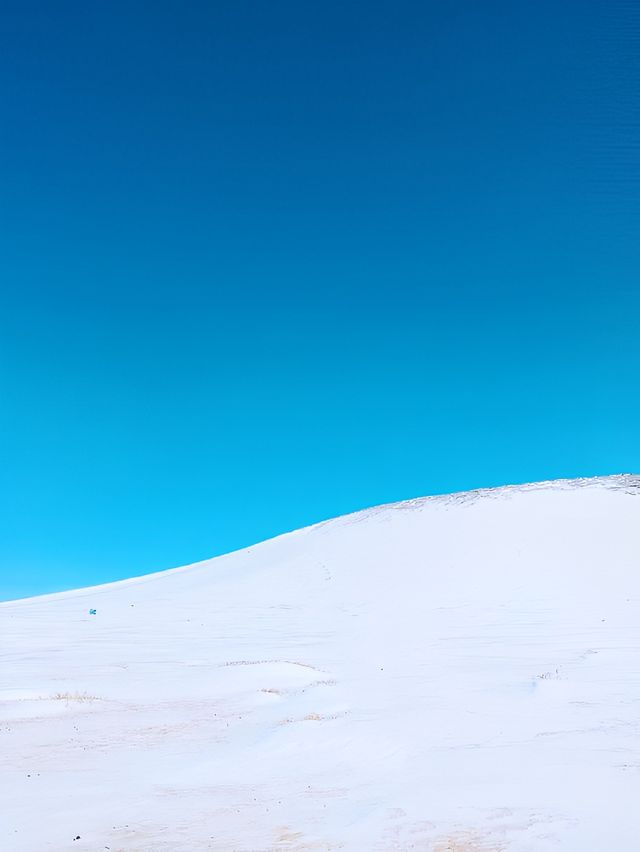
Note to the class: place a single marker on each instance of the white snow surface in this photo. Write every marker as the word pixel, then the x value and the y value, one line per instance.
pixel 452 673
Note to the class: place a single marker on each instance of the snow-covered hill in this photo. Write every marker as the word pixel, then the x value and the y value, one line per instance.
pixel 450 673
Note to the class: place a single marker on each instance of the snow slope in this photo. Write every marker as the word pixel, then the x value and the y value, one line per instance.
pixel 450 673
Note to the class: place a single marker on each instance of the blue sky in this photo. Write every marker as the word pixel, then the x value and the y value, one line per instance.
pixel 267 263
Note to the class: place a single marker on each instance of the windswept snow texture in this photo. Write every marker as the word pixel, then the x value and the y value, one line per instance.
pixel 451 673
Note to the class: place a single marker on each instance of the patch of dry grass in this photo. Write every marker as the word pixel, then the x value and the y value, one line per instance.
pixel 80 697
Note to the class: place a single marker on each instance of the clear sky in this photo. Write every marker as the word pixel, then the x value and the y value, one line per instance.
pixel 264 263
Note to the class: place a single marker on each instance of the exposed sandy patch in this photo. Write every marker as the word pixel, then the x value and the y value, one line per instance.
pixel 464 841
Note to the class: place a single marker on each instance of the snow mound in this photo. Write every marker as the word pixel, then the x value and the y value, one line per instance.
pixel 448 673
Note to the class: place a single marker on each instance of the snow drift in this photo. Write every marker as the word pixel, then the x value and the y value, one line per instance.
pixel 450 673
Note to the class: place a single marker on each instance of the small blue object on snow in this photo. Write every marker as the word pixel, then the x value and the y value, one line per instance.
pixel 92 612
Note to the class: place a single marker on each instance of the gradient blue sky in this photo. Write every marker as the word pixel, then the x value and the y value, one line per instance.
pixel 263 263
